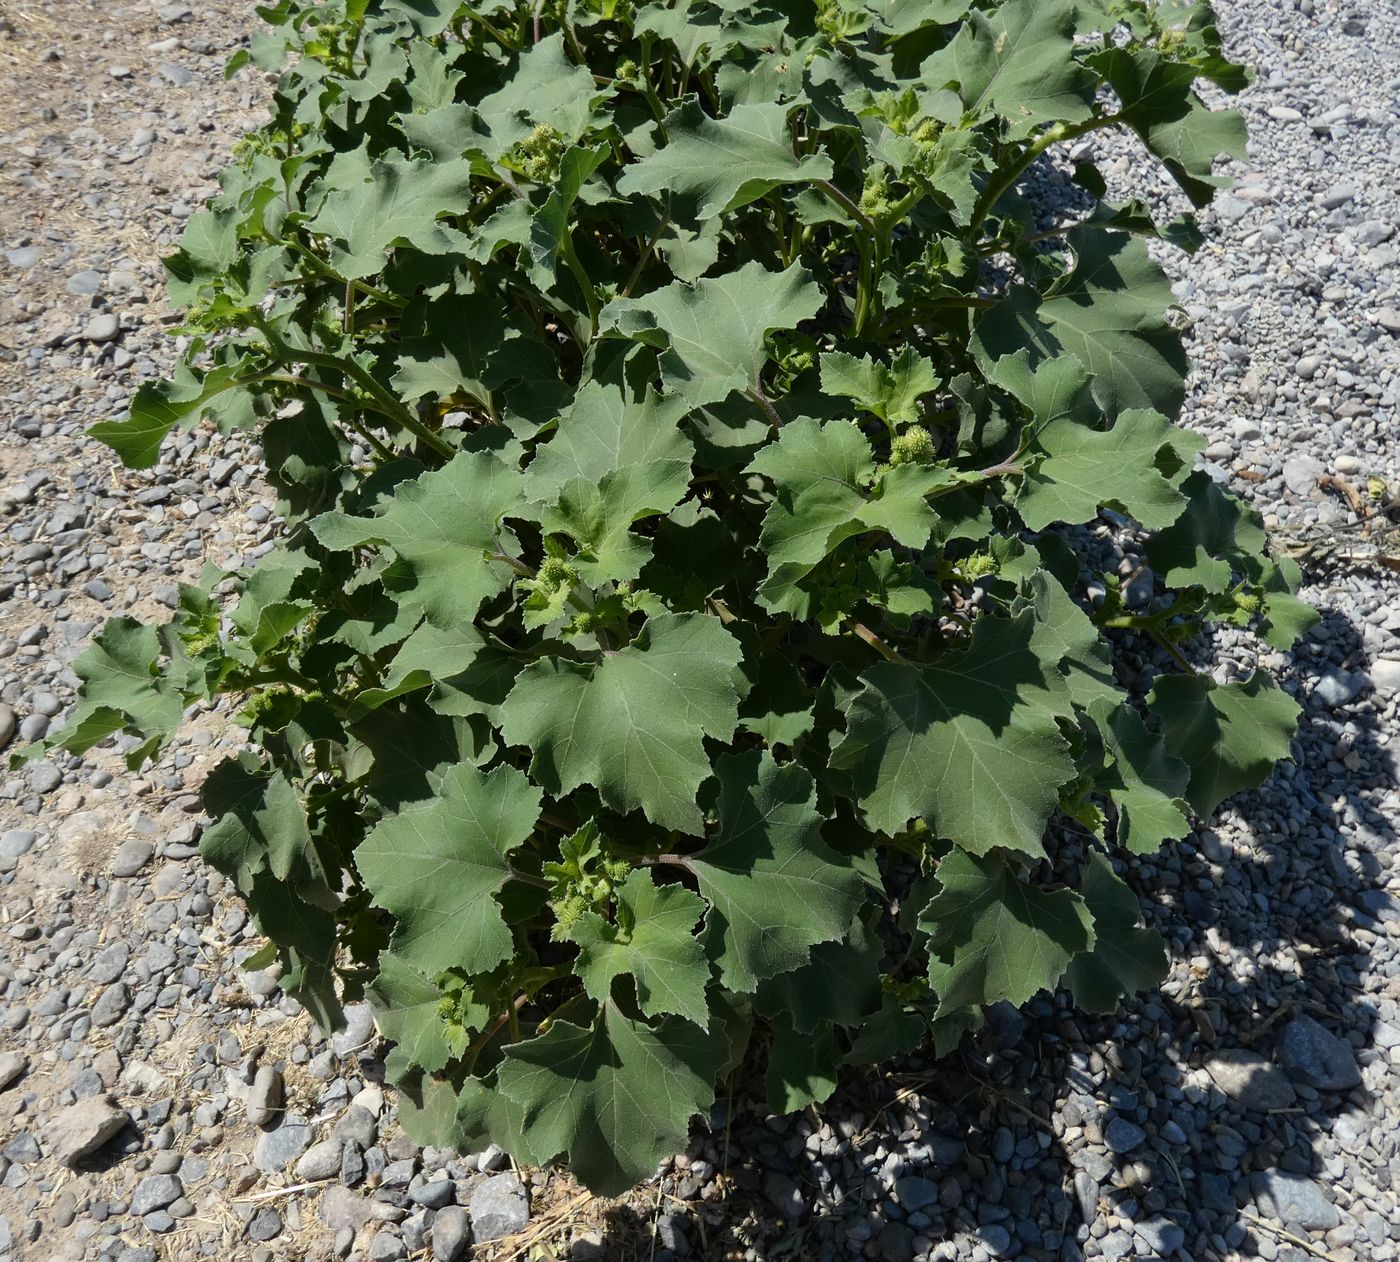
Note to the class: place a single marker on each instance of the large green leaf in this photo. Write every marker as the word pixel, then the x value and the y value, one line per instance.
pixel 890 391
pixel 406 1007
pixel 713 333
pixel 1081 469
pixel 1214 540
pixel 370 204
pixel 159 406
pixel 656 699
pixel 445 529
pixel 602 432
pixel 1109 313
pixel 1125 957
pixel 1019 62
pixel 611 464
pixel 259 822
pixel 724 163
pixel 775 888
pixel 969 743
pixel 1229 735
pixel 615 1097
pixel 994 936
pixel 1147 784
pixel 123 690
pixel 652 938
pixel 436 865
pixel 1158 102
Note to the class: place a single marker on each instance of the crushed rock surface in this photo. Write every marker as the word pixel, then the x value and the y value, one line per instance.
pixel 155 1098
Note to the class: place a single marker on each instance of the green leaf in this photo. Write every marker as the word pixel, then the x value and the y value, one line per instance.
pixel 993 936
pixel 969 743
pixel 724 163
pixel 612 464
pixel 259 822
pixel 1158 102
pixel 1109 313
pixel 615 1098
pixel 544 88
pixel 305 937
pixel 123 689
pixel 159 406
pixel 549 226
pixel 656 699
pixel 803 1067
pixel 889 391
pixel 445 529
pixel 370 204
pixel 602 432
pixel 840 984
pixel 466 673
pixel 713 333
pixel 458 344
pixel 1215 538
pixel 821 473
pixel 436 865
pixel 1147 784
pixel 1019 62
pixel 1081 469
pixel 208 247
pixel 1125 957
pixel 1230 735
pixel 775 889
pixel 653 939
pixel 406 1008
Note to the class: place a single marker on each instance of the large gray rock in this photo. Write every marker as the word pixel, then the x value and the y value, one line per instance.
pixel 451 1229
pixel 83 1128
pixel 498 1208
pixel 1314 1056
pixel 1250 1080
pixel 320 1161
pixel 264 1096
pixel 12 1065
pixel 131 856
pixel 1294 1200
pixel 278 1148
pixel 156 1191
pixel 341 1209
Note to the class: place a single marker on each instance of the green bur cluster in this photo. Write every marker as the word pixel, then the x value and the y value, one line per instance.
pixel 675 410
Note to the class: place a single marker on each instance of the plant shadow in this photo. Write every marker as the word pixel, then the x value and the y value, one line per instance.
pixel 1050 1135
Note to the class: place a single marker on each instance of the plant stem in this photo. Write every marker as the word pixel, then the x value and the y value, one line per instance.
pixel 388 404
pixel 847 205
pixel 645 256
pixel 874 641
pixel 570 257
pixel 755 392
pixel 999 184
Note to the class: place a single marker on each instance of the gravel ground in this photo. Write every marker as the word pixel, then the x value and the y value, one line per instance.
pixel 154 1097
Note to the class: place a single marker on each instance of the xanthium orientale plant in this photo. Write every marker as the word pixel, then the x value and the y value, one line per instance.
pixel 684 425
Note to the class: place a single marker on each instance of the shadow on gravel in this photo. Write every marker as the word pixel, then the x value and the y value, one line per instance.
pixel 1186 1125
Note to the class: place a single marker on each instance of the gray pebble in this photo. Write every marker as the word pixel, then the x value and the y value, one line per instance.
pixel 320 1161
pixel 1293 1200
pixel 278 1148
pixel 1314 1056
pixel 156 1191
pixel 265 1096
pixel 103 327
pixel 498 1208
pixel 1250 1080
pixel 131 856
pixel 1123 1136
pixel 450 1232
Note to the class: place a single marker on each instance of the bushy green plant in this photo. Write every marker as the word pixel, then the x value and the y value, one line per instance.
pixel 674 409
